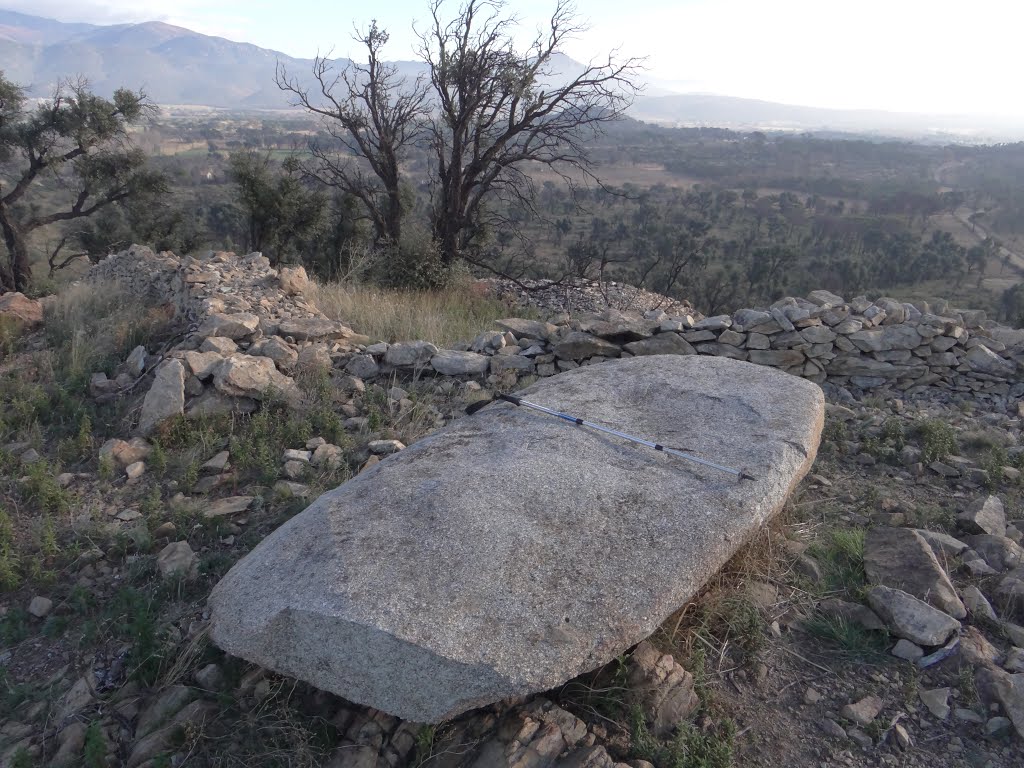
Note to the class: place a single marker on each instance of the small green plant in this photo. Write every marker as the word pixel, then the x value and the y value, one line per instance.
pixel 834 433
pixel 10 576
pixel 48 545
pixel 158 459
pixel 894 434
pixel 10 332
pixel 134 617
pixel 932 517
pixel 967 686
pixel 84 439
pixel 152 503
pixel 425 737
pixel 993 464
pixel 107 468
pixel 22 759
pixel 43 491
pixel 95 751
pixel 690 748
pixel 15 626
pixel 12 695
pixel 938 439
pixel 191 475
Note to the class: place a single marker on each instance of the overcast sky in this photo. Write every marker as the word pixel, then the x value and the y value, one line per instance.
pixel 940 56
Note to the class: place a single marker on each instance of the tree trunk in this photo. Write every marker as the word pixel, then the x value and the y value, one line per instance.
pixel 18 273
pixel 393 218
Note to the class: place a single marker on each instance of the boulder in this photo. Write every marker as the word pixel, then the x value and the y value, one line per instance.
pixel 21 309
pixel 901 558
pixel 313 329
pixel 362 367
pixel 201 364
pixel 431 584
pixel 662 689
pixel 825 299
pixel 889 337
pixel 981 358
pixel 449 362
pixel 166 397
pixel 219 344
pixel 999 552
pixel 125 452
pixel 910 618
pixel 212 403
pixel 410 353
pixel 1008 690
pixel 177 559
pixel 253 377
pixel 777 358
pixel 662 344
pixel 277 349
pixel 236 326
pixel 135 363
pixel 294 280
pixel 578 345
pixel 527 329
pixel 984 515
pixel 315 357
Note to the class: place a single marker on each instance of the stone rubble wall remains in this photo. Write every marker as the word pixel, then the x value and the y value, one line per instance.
pixel 251 330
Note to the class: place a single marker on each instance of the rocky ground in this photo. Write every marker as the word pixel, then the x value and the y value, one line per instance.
pixel 877 622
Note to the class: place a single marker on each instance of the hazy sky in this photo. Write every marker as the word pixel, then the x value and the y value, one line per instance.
pixel 945 56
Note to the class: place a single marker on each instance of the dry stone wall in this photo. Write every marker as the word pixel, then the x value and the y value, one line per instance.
pixel 250 329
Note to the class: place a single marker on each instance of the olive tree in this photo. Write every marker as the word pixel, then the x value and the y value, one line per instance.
pixel 65 159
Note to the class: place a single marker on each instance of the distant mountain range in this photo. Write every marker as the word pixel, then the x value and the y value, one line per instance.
pixel 176 66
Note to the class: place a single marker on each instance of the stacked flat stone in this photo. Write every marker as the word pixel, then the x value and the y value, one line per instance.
pixel 858 344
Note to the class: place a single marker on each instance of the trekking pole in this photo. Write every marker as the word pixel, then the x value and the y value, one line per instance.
pixel 740 474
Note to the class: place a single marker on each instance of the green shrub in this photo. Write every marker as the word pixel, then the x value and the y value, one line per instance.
pixel 415 264
pixel 938 439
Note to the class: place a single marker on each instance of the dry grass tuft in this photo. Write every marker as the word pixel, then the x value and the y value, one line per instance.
pixel 92 327
pixel 443 317
pixel 729 613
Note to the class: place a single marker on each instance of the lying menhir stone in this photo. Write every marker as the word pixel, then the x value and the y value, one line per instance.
pixel 510 551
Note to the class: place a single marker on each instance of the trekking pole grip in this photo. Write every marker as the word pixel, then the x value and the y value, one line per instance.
pixel 510 399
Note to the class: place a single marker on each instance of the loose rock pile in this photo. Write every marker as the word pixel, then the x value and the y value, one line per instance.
pixel 912 596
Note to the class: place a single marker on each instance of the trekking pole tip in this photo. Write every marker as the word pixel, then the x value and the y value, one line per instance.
pixel 744 475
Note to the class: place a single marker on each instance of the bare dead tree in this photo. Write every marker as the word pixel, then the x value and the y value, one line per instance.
pixel 377 116
pixel 502 112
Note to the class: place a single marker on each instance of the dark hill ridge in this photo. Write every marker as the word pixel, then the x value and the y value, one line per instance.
pixel 172 64
pixel 175 65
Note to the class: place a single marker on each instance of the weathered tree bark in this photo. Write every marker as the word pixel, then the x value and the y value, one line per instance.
pixel 17 274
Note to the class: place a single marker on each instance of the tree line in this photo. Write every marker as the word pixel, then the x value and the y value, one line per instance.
pixel 492 159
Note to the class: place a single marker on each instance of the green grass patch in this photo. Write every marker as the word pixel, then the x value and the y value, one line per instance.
pixel 849 637
pixel 691 747
pixel 841 555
